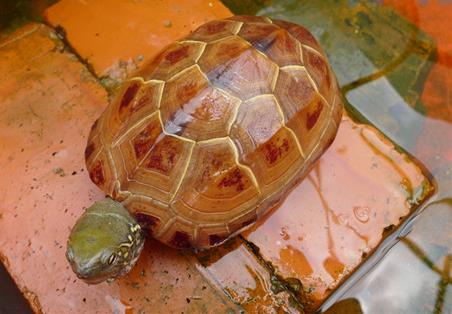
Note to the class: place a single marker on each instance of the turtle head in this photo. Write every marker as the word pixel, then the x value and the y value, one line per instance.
pixel 104 243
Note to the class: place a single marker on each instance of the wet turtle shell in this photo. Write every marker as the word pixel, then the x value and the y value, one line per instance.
pixel 217 129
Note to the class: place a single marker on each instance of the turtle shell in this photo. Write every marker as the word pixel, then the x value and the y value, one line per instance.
pixel 216 130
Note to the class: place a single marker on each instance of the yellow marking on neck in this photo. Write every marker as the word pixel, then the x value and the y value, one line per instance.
pixel 267 19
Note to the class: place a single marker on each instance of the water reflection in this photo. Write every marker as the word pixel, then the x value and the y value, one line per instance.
pixel 384 84
pixel 415 275
pixel 247 280
pixel 318 235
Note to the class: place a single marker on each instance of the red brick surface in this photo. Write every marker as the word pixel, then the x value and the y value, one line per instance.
pixel 118 36
pixel 47 105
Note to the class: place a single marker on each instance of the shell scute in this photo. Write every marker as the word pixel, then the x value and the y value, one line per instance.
pixel 135 100
pixel 320 73
pixel 294 89
pixel 245 219
pixel 175 58
pixel 128 96
pixel 215 30
pixel 274 42
pixel 300 33
pixel 148 222
pixel 220 52
pixel 233 66
pixel 309 122
pixel 275 161
pixel 196 110
pixel 179 233
pixel 101 173
pixel 151 214
pixel 161 169
pixel 258 119
pixel 145 139
pixel 219 188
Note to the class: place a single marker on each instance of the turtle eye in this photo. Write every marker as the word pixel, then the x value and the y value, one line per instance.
pixel 112 258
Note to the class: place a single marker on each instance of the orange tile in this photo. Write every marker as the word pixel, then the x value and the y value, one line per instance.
pixel 248 281
pixel 338 214
pixel 435 18
pixel 48 102
pixel 117 36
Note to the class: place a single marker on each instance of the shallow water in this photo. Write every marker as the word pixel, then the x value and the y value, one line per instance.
pixel 405 91
pixel 410 272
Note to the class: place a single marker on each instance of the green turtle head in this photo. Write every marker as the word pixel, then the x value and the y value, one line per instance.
pixel 104 243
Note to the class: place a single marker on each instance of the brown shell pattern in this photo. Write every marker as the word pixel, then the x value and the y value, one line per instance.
pixel 217 129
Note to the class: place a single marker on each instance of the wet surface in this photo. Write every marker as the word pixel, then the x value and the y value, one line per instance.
pixel 405 92
pixel 318 237
pixel 289 261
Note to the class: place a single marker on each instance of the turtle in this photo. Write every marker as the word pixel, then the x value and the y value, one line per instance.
pixel 204 140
